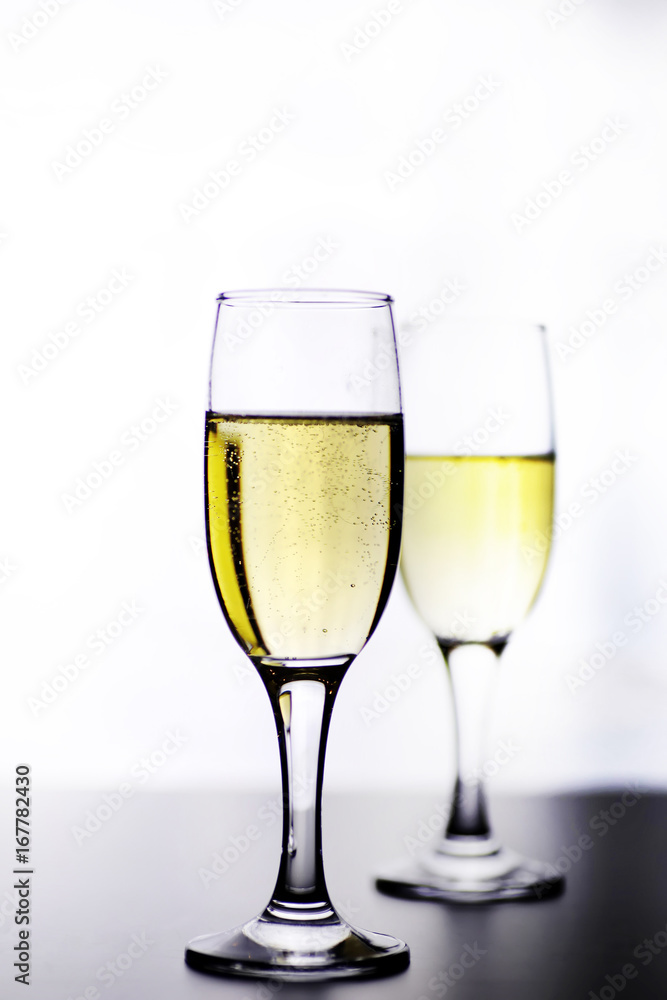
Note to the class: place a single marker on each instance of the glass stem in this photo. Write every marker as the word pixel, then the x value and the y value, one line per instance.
pixel 472 670
pixel 302 699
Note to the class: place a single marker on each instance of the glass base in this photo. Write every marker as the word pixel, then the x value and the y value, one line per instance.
pixel 298 951
pixel 460 877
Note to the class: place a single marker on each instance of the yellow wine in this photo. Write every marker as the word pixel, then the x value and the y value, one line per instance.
pixel 475 541
pixel 303 528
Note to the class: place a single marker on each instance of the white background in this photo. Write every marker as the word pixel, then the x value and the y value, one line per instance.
pixel 356 111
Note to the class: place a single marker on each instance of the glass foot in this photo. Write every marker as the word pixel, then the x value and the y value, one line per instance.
pixel 498 875
pixel 298 951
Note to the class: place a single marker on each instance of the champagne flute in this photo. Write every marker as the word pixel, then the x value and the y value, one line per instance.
pixel 479 485
pixel 304 481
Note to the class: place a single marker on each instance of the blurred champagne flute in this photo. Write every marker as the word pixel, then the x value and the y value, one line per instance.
pixel 478 508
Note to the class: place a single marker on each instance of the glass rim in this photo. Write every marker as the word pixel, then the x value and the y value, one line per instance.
pixel 305 297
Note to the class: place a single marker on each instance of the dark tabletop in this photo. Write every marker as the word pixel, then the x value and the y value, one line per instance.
pixel 113 910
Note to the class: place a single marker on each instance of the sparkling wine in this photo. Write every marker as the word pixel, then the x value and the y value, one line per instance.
pixel 476 541
pixel 303 528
